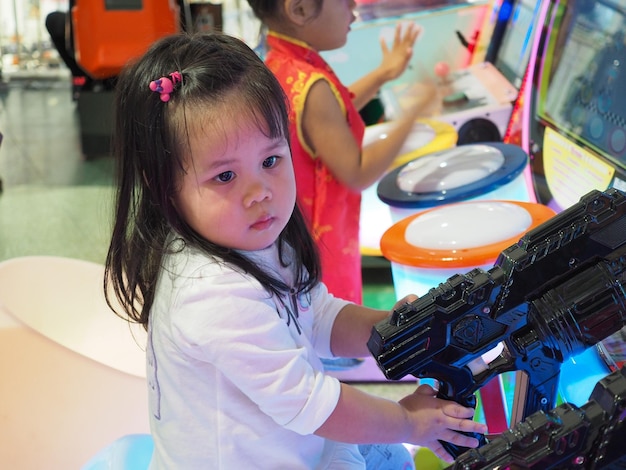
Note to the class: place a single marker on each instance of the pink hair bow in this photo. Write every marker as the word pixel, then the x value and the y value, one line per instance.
pixel 164 85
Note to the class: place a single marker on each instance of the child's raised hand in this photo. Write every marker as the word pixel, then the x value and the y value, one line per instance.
pixel 396 59
pixel 434 419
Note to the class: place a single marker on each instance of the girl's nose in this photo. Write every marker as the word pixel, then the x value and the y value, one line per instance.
pixel 257 191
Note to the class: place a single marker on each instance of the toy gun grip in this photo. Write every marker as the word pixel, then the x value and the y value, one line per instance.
pixel 469 402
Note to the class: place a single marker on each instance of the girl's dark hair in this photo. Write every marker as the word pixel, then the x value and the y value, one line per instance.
pixel 150 140
pixel 273 9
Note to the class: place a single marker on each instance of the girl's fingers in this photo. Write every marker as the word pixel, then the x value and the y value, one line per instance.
pixel 459 439
pixel 441 452
pixel 454 410
pixel 425 389
pixel 465 425
pixel 383 46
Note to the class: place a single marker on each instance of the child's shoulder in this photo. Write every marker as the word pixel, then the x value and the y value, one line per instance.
pixel 308 62
pixel 290 65
pixel 187 262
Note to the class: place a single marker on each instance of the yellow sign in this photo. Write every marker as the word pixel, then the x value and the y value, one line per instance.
pixel 571 171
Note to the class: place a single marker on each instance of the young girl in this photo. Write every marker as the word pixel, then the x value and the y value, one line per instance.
pixel 332 167
pixel 210 253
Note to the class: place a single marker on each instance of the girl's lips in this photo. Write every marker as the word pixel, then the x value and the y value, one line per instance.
pixel 263 224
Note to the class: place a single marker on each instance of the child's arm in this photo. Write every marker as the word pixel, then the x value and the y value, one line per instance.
pixel 326 131
pixel 353 326
pixel 394 63
pixel 419 418
pixel 352 329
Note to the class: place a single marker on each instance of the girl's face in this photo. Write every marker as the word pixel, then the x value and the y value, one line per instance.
pixel 329 29
pixel 239 188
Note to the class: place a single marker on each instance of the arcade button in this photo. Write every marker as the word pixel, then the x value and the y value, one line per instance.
pixel 427 248
pixel 477 171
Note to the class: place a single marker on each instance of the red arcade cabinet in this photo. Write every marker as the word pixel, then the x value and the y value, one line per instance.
pixel 107 34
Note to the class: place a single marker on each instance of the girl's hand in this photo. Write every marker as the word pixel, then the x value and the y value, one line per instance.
pixel 396 60
pixel 434 419
pixel 425 100
pixel 405 300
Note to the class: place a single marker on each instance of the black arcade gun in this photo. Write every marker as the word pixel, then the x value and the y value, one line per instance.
pixel 571 120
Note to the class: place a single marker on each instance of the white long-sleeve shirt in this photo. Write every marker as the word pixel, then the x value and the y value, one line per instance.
pixel 234 374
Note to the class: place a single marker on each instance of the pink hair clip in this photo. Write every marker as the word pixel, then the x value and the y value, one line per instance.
pixel 165 85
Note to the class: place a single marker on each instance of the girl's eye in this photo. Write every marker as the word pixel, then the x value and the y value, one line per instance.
pixel 270 162
pixel 225 177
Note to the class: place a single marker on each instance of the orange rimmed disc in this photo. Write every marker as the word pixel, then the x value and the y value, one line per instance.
pixel 461 235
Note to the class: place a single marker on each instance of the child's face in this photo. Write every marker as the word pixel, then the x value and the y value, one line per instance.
pixel 329 29
pixel 239 189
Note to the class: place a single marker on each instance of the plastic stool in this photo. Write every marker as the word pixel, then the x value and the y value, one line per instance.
pixel 131 452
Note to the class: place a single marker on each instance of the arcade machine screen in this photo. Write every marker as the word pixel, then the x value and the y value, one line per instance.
pixel 509 49
pixel 577 133
pixel 579 140
pixel 373 9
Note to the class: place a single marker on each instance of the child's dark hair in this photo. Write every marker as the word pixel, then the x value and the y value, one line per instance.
pixel 266 10
pixel 150 141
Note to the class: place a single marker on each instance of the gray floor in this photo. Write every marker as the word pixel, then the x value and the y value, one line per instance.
pixel 54 201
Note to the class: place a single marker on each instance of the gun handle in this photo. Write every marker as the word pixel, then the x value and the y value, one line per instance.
pixel 469 402
pixel 534 392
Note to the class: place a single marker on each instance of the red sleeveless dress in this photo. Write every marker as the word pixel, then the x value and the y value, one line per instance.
pixel 331 209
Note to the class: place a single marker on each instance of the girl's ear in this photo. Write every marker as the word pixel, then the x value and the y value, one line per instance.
pixel 299 11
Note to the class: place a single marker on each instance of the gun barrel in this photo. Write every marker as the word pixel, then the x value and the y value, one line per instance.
pixel 589 437
pixel 582 311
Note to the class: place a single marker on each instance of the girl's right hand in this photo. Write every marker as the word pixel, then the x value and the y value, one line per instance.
pixel 424 101
pixel 396 60
pixel 433 419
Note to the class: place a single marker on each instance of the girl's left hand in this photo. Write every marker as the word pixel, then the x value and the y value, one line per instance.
pixel 396 59
pixel 405 300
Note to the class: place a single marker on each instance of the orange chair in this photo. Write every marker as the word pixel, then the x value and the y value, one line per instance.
pixel 109 33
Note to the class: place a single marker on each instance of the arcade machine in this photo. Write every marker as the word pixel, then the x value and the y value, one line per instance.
pixel 429 138
pixel 106 35
pixel 527 48
pixel 570 119
pixel 511 40
pixel 452 188
pixel 440 21
pixel 450 32
pixel 515 50
pixel 575 120
pixel 478 99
